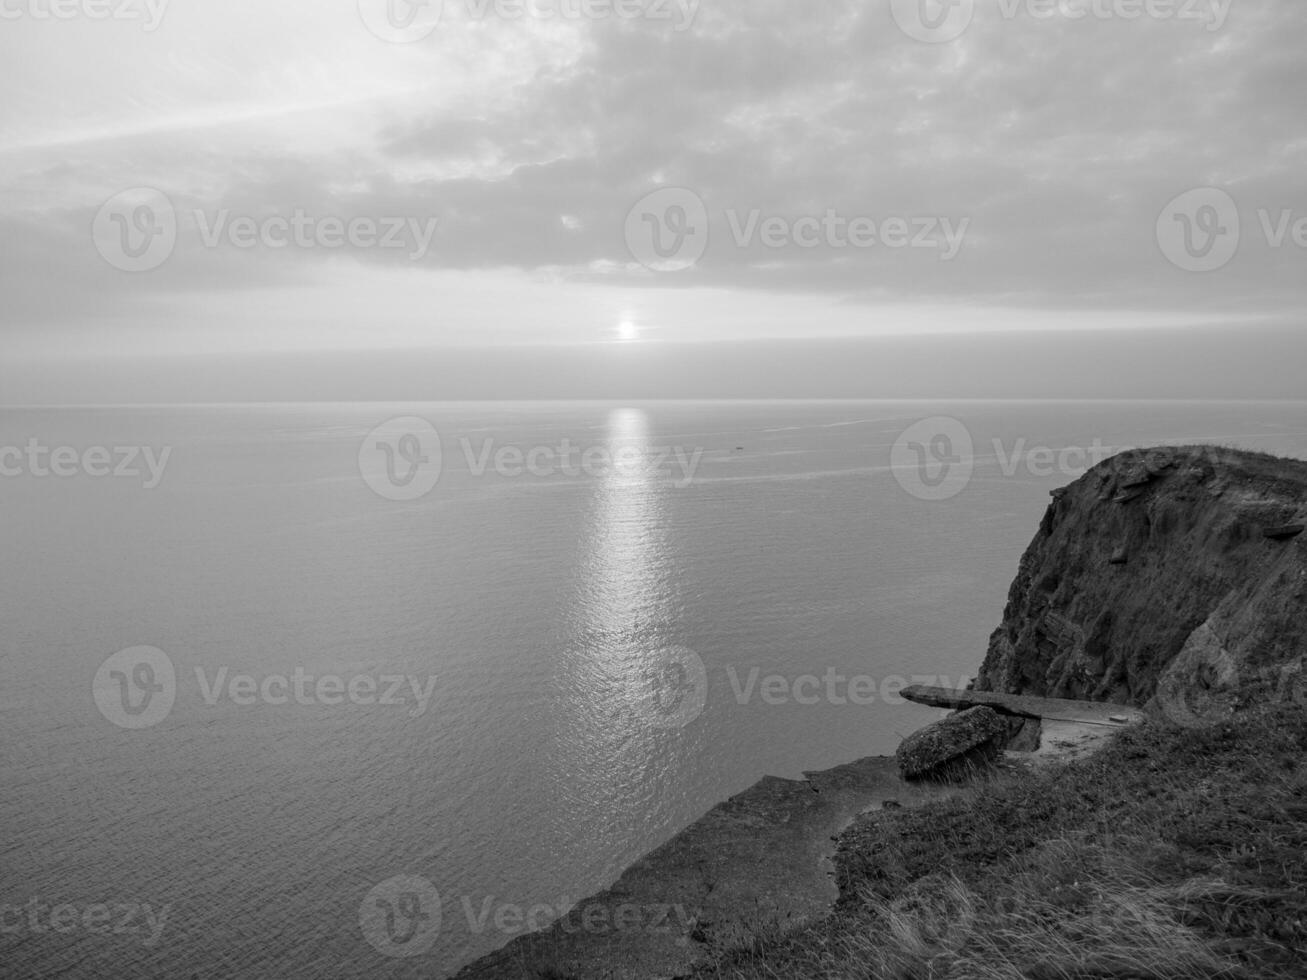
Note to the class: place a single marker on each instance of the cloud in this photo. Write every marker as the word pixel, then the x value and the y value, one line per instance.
pixel 1057 142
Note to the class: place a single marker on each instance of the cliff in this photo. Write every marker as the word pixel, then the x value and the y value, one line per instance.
pixel 1165 580
pixel 1162 579
pixel 761 859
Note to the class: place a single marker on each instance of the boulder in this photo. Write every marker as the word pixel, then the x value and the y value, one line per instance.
pixel 952 744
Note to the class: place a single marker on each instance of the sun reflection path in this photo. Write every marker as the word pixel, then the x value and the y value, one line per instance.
pixel 626 687
pixel 628 596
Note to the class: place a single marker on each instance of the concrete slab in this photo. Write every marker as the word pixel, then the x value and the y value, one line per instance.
pixel 1050 709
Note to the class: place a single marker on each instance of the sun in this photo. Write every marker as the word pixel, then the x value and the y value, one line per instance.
pixel 628 332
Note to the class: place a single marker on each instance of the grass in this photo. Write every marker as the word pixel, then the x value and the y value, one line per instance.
pixel 1176 854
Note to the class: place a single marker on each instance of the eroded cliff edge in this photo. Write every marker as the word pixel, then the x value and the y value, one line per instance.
pixel 1161 579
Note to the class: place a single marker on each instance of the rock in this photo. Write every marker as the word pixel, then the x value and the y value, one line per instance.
pixel 1025 736
pixel 952 745
pixel 1120 719
pixel 1199 685
pixel 1285 533
pixel 1119 557
pixel 891 805
pixel 1127 496
pixel 1194 557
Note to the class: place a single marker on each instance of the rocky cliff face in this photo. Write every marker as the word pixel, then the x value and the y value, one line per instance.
pixel 1163 579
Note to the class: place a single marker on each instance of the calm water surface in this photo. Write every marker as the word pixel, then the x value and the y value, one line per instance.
pixel 536 607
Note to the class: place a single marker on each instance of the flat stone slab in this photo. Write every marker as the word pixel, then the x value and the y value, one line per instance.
pixel 1025 706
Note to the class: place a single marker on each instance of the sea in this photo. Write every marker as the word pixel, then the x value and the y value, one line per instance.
pixel 346 690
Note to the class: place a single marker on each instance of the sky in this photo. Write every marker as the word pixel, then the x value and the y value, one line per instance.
pixel 374 199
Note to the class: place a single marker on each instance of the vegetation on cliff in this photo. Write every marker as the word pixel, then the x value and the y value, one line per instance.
pixel 1172 853
pixel 1173 580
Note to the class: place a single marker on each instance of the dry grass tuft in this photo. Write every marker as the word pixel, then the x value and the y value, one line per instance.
pixel 1172 855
